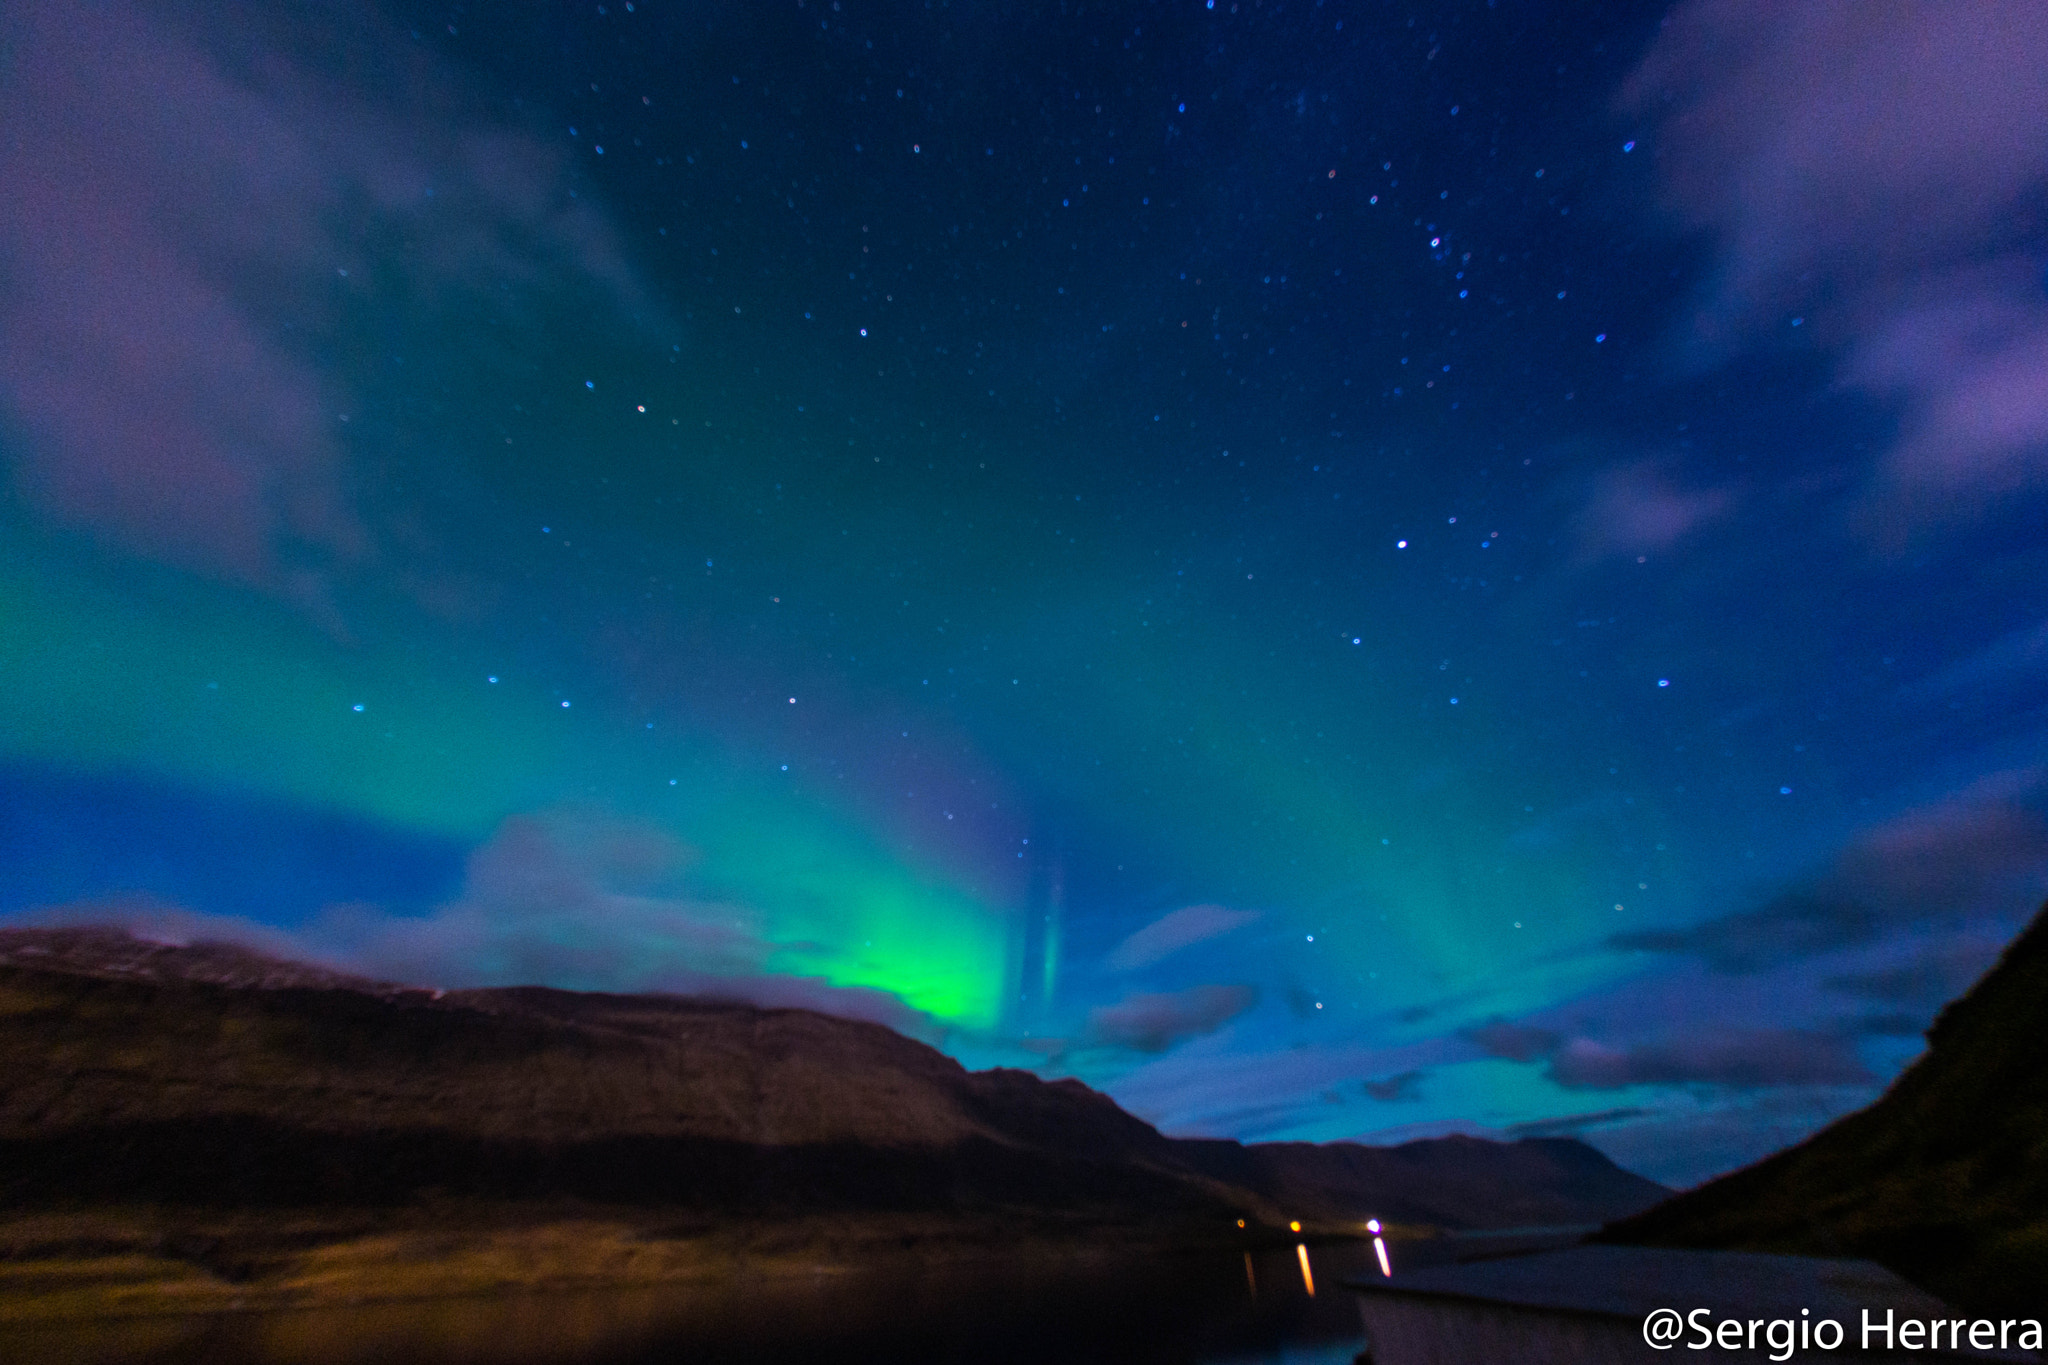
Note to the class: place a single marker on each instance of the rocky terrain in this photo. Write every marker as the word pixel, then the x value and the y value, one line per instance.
pixel 1944 1179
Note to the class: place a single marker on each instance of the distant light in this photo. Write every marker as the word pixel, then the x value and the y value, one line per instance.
pixel 589 384
pixel 492 678
pixel 643 407
pixel 1356 640
pixel 1294 1226
pixel 565 706
pixel 359 706
pixel 863 331
pixel 1454 701
pixel 1782 791
pixel 1599 338
pixel 1183 109
pixel 1628 146
pixel 792 701
pixel 1663 682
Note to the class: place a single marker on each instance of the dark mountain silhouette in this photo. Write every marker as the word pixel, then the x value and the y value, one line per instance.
pixel 1944 1179
pixel 210 1076
pixel 1450 1182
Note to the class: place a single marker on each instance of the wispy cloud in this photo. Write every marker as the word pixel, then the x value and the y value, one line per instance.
pixel 1865 168
pixel 1744 1059
pixel 1170 933
pixel 1155 1022
pixel 188 207
pixel 1978 853
pixel 1402 1088
pixel 1640 507
pixel 563 898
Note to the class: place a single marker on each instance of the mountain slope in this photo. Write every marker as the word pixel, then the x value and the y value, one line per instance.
pixel 207 1075
pixel 1450 1182
pixel 1944 1179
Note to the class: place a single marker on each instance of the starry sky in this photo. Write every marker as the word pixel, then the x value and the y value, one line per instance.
pixel 1335 569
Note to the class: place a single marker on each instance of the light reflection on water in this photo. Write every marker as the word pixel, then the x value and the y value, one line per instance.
pixel 1186 1310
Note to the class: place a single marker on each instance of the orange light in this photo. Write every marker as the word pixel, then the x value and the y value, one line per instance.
pixel 1294 1227
pixel 1308 1281
pixel 1240 1222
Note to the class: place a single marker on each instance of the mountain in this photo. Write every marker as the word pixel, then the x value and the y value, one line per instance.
pixel 1944 1179
pixel 209 1076
pixel 1450 1182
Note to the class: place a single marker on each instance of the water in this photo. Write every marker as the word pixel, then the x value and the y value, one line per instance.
pixel 1179 1310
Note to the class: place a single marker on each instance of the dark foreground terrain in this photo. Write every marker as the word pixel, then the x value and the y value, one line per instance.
pixel 200 1126
pixel 1944 1179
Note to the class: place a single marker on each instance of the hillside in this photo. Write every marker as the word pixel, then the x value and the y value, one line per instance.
pixel 210 1076
pixel 1944 1179
pixel 1450 1182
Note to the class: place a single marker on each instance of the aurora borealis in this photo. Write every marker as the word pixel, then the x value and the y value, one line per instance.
pixel 1334 570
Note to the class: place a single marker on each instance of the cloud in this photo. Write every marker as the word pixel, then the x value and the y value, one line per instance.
pixel 563 898
pixel 1398 1089
pixel 1868 167
pixel 1513 1042
pixel 1714 1055
pixel 1975 855
pixel 1744 1059
pixel 1793 924
pixel 1571 1125
pixel 1155 1022
pixel 1932 976
pixel 1636 508
pixel 161 922
pixel 190 197
pixel 1170 933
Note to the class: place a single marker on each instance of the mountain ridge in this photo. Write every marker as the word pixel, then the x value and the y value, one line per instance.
pixel 1943 1179
pixel 210 1073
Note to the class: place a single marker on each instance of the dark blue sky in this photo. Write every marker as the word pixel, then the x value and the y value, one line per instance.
pixel 1337 570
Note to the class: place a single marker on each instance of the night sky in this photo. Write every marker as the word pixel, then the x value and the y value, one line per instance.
pixel 1335 569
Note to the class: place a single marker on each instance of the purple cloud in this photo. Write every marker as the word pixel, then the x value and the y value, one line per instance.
pixel 1154 1023
pixel 186 192
pixel 1636 508
pixel 1865 168
pixel 1512 1042
pixel 1976 855
pixel 1403 1088
pixel 1744 1059
pixel 1170 933
pixel 570 899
